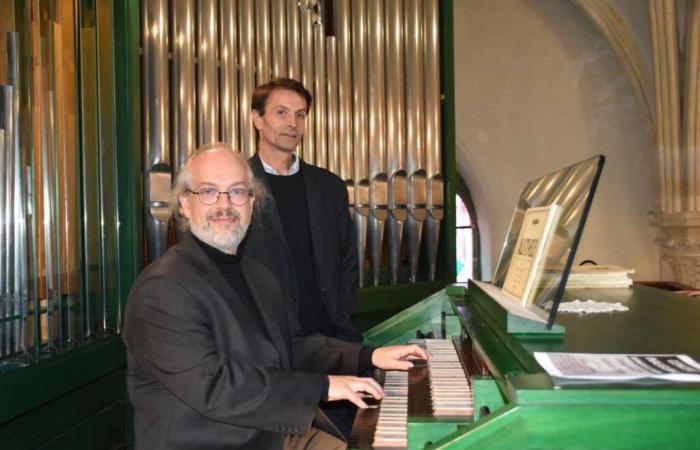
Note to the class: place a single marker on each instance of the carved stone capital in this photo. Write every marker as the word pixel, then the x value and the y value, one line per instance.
pixel 678 239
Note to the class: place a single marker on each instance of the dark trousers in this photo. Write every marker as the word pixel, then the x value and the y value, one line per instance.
pixel 342 414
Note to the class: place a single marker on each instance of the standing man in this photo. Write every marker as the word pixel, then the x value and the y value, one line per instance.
pixel 305 236
pixel 213 358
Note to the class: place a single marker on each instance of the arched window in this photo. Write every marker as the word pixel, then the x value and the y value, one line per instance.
pixel 467 235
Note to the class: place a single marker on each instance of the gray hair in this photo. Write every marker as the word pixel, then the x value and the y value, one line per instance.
pixel 184 178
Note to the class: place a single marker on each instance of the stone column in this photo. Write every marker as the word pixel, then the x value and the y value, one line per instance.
pixel 676 212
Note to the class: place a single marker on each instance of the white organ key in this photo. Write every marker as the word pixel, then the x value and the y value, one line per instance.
pixel 449 388
pixel 391 428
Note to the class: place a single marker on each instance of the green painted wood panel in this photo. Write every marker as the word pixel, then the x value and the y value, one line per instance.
pixel 68 416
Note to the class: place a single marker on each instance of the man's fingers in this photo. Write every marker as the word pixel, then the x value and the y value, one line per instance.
pixel 418 352
pixel 376 390
pixel 369 386
pixel 353 397
pixel 403 365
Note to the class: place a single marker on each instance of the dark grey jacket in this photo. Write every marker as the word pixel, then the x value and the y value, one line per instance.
pixel 333 238
pixel 201 375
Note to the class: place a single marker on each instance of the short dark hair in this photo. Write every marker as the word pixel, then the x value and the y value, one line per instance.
pixel 263 91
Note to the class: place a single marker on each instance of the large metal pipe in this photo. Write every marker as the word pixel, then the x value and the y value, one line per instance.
pixel 279 38
pixel 360 217
pixel 156 125
pixel 435 205
pixel 4 297
pixel 110 313
pixel 228 54
pixel 20 276
pixel 208 72
pixel 262 38
pixel 6 125
pixel 308 152
pixel 36 84
pixel 345 92
pixel 395 126
pixel 246 27
pixel 377 134
pixel 52 266
pixel 293 40
pixel 7 268
pixel 397 192
pixel 360 169
pixel 321 156
pixel 415 142
pixel 182 79
pixel 155 204
pixel 332 102
pixel 377 220
pixel 64 224
pixel 417 190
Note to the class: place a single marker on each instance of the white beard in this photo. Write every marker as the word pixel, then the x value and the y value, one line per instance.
pixel 227 240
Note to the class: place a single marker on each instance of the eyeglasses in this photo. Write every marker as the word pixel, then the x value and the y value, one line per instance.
pixel 209 196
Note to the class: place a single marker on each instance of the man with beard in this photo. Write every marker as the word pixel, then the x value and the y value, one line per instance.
pixel 214 356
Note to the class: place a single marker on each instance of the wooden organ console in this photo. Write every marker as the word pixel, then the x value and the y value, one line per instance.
pixel 483 388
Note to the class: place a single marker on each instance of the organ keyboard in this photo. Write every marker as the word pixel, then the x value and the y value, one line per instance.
pixel 438 388
pixel 526 408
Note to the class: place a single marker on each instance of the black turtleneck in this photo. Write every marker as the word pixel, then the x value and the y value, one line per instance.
pixel 230 267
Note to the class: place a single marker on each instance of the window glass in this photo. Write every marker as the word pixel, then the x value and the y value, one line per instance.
pixel 465 242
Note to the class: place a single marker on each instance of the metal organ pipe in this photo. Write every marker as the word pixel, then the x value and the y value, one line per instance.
pixel 4 267
pixel 208 73
pixel 359 72
pixel 377 135
pixel 228 54
pixel 320 107
pixel 345 135
pixel 332 104
pixel 395 143
pixel 262 38
pixel 415 154
pixel 156 100
pixel 20 276
pixel 8 129
pixel 308 151
pixel 293 40
pixel 279 36
pixel 435 200
pixel 246 69
pixel 182 82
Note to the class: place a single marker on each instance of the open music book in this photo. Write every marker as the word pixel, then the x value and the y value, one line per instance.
pixel 530 254
pixel 619 367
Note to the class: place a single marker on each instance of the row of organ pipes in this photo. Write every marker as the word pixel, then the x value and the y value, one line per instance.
pixel 372 67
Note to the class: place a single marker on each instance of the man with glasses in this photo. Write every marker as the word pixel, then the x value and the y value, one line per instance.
pixel 214 356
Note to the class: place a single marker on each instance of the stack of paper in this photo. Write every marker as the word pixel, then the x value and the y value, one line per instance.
pixel 619 367
pixel 599 276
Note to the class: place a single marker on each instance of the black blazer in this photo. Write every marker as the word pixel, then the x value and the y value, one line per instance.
pixel 333 238
pixel 202 375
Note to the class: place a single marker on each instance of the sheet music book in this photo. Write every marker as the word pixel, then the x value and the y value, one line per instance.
pixel 600 276
pixel 619 367
pixel 529 259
